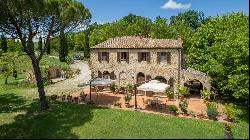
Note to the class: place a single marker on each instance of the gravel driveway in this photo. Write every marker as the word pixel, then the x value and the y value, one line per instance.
pixel 70 85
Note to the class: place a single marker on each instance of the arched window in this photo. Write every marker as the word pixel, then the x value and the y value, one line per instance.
pixel 106 75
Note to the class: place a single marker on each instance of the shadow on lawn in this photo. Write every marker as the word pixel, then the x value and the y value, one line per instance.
pixel 56 122
pixel 10 102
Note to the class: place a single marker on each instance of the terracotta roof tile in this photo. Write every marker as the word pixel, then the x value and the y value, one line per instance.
pixel 139 42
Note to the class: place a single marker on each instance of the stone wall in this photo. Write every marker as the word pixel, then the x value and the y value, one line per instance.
pixel 128 72
pixel 191 74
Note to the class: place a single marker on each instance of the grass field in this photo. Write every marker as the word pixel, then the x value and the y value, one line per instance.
pixel 20 118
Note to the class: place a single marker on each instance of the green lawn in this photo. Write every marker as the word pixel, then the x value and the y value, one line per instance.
pixel 20 118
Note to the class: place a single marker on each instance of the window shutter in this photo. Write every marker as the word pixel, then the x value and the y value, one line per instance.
pixel 107 56
pixel 148 57
pixel 158 57
pixel 112 75
pixel 118 57
pixel 127 57
pixel 139 56
pixel 169 57
pixel 99 74
pixel 99 56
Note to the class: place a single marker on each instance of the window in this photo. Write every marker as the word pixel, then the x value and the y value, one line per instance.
pixel 143 56
pixel 124 56
pixel 104 56
pixel 163 56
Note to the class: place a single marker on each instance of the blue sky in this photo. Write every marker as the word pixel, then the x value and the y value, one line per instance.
pixel 110 10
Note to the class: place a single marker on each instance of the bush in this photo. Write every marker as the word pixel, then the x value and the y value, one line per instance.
pixel 127 98
pixel 170 93
pixel 117 104
pixel 228 126
pixel 231 111
pixel 212 110
pixel 183 90
pixel 130 88
pixel 69 60
pixel 183 105
pixel 173 108
pixel 206 95
pixel 113 87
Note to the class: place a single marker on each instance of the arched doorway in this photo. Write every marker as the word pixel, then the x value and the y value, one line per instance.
pixel 161 79
pixel 194 86
pixel 140 77
pixel 106 75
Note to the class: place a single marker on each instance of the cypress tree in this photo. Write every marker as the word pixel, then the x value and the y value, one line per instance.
pixel 4 45
pixel 48 48
pixel 40 44
pixel 63 47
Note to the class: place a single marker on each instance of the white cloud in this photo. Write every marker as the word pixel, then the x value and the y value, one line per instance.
pixel 171 4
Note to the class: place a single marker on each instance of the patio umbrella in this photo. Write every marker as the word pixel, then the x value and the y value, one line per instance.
pixel 99 82
pixel 154 86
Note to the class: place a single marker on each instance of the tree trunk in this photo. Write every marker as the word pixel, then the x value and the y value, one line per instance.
pixel 39 82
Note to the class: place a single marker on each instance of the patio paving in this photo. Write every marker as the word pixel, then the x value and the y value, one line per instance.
pixel 107 98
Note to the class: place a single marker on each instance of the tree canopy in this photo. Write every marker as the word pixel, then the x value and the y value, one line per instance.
pixel 220 47
pixel 27 19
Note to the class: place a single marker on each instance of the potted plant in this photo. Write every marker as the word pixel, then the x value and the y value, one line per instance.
pixel 118 104
pixel 113 87
pixel 127 98
pixel 228 131
pixel 170 93
pixel 130 88
pixel 173 109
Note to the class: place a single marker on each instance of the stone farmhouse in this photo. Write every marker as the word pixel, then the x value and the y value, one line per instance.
pixel 134 59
